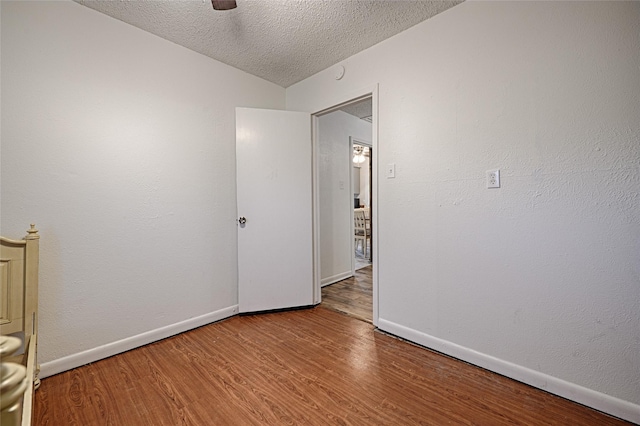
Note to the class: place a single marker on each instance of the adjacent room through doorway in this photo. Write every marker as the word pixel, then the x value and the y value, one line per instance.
pixel 345 190
pixel 362 179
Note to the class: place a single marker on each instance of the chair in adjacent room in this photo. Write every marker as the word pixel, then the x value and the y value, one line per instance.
pixel 362 231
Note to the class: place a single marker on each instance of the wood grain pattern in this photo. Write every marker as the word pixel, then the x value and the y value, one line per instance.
pixel 314 366
pixel 352 296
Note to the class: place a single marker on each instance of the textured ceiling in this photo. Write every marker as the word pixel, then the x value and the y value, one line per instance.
pixel 362 109
pixel 283 41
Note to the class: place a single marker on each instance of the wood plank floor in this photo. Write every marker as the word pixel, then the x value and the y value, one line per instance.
pixel 314 366
pixel 352 296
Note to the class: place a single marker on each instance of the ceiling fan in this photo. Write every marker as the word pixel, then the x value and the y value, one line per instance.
pixel 223 4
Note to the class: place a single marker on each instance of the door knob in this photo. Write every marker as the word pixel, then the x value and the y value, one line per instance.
pixel 242 220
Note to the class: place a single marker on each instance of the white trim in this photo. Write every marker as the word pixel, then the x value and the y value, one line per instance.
pixel 315 208
pixel 105 351
pixel 608 404
pixel 336 102
pixel 375 201
pixel 352 246
pixel 335 278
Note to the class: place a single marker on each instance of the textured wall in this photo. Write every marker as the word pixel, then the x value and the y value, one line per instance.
pixel 336 200
pixel 120 146
pixel 544 272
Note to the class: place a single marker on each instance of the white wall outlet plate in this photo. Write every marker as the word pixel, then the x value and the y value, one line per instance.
pixel 493 178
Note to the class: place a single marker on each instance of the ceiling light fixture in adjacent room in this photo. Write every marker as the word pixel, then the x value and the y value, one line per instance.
pixel 358 154
pixel 223 4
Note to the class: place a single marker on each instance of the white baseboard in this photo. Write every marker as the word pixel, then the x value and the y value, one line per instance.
pixel 82 358
pixel 597 400
pixel 335 278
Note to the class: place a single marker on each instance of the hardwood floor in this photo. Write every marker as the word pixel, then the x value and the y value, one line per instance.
pixel 313 366
pixel 352 296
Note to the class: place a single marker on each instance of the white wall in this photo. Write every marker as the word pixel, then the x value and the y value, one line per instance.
pixel 538 279
pixel 120 146
pixel 335 193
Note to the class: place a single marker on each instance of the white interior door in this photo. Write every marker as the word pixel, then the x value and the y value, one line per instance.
pixel 275 257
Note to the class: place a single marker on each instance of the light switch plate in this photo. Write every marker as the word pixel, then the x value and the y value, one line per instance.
pixel 391 171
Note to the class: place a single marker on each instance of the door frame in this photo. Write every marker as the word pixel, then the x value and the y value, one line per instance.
pixel 355 141
pixel 325 108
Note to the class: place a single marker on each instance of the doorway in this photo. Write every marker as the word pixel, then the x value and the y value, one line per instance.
pixel 345 189
pixel 361 180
